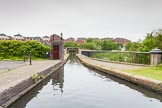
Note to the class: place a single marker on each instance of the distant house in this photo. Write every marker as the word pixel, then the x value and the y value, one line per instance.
pixel 19 37
pixel 4 37
pixel 46 40
pixel 121 41
pixel 70 39
pixel 39 39
pixel 55 37
pixel 81 41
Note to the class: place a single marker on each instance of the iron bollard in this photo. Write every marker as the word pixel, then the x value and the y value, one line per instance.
pixel 30 58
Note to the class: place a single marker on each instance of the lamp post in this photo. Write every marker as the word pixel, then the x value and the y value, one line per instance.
pixel 24 56
pixel 30 58
pixel 61 36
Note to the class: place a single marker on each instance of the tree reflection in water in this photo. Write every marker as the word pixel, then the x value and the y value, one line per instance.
pixel 58 81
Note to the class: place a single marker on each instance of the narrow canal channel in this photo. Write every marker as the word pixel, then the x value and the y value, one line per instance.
pixel 76 86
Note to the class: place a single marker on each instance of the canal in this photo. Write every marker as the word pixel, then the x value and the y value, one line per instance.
pixel 76 86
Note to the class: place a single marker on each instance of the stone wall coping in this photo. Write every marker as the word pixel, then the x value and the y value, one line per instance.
pixel 155 51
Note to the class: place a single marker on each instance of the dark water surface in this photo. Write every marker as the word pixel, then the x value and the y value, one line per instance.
pixel 76 86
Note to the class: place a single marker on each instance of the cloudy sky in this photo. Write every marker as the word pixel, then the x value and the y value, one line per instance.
pixel 130 19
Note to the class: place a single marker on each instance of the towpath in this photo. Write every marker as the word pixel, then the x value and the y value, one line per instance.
pixel 112 66
pixel 12 76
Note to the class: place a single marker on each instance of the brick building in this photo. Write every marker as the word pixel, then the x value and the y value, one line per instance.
pixel 70 39
pixel 57 47
pixel 121 41
pixel 81 41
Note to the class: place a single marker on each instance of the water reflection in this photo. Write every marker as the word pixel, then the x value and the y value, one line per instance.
pixel 73 59
pixel 58 81
pixel 108 78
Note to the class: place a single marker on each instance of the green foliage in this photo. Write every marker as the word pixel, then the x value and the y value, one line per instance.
pixel 13 49
pixel 71 44
pixel 37 77
pixel 89 40
pixel 133 46
pixel 90 45
pixel 152 40
pixel 99 45
pixel 109 45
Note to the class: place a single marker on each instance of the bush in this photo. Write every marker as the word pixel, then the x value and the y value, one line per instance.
pixel 13 49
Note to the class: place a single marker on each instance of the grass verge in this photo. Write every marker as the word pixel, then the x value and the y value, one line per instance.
pixel 151 72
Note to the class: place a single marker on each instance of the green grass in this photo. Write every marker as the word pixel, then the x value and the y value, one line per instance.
pixel 151 72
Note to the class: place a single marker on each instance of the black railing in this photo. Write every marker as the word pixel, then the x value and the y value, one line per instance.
pixel 130 57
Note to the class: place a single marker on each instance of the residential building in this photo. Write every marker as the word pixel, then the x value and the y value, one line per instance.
pixel 55 37
pixel 81 41
pixel 46 40
pixel 19 37
pixel 4 37
pixel 121 41
pixel 70 39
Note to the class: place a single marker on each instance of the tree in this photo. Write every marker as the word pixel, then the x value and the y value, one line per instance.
pixel 133 46
pixel 109 45
pixel 71 44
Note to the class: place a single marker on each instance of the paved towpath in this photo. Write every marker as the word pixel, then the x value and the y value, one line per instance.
pixel 110 65
pixel 9 78
pixel 7 65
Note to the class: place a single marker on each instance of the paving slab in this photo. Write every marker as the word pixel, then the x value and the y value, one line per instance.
pixel 12 77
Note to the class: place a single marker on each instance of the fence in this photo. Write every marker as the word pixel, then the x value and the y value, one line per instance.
pixel 130 57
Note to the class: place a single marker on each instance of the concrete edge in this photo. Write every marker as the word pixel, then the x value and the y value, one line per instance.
pixel 22 93
pixel 152 84
pixel 145 65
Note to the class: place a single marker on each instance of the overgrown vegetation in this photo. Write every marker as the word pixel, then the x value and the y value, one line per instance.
pixel 132 57
pixel 152 40
pixel 13 49
pixel 37 77
pixel 71 44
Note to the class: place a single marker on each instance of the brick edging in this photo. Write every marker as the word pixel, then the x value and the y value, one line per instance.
pixel 149 83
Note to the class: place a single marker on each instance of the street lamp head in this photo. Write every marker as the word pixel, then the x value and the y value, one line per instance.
pixel 61 36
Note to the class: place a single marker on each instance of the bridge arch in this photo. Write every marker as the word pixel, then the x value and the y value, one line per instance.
pixel 72 50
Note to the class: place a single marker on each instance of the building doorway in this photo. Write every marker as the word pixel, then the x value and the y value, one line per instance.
pixel 56 52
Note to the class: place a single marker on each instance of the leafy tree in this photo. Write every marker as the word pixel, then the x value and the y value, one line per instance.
pixel 14 48
pixel 133 46
pixel 89 40
pixel 71 44
pixel 90 45
pixel 109 45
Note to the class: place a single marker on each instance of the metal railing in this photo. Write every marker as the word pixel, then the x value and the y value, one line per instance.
pixel 129 57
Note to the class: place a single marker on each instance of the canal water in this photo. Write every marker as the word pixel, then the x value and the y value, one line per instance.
pixel 76 86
